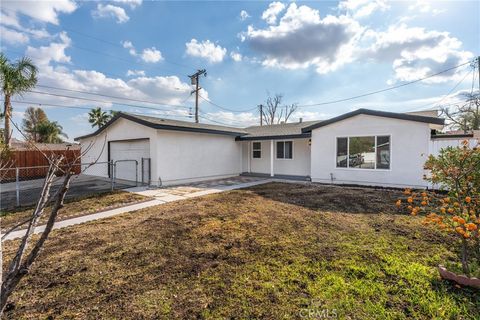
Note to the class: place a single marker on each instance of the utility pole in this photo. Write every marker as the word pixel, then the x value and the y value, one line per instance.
pixel 260 106
pixel 196 82
pixel 478 65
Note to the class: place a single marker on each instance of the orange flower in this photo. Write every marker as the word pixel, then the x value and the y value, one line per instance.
pixel 447 200
pixel 424 203
pixel 424 194
pixel 468 199
pixel 443 210
pixel 398 203
pixel 409 207
pixel 466 235
pixel 459 230
pixel 410 200
pixel 407 191
pixel 450 210
pixel 471 226
pixel 461 220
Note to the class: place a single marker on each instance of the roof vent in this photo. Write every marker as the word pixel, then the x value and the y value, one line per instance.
pixel 300 120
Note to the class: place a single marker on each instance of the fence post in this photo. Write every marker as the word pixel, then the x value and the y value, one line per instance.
pixel 112 174
pixel 136 173
pixel 17 185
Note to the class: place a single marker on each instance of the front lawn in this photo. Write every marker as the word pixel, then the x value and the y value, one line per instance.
pixel 74 207
pixel 275 251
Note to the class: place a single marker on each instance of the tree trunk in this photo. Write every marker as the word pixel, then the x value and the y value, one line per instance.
pixel 465 258
pixel 8 114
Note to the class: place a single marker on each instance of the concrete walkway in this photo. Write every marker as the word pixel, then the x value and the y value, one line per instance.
pixel 160 196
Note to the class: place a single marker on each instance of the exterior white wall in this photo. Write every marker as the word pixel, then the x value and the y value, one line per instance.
pixel 121 129
pixel 298 166
pixel 189 156
pixel 409 151
pixel 437 144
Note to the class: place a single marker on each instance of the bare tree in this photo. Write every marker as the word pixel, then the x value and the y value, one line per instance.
pixel 465 117
pixel 24 258
pixel 274 112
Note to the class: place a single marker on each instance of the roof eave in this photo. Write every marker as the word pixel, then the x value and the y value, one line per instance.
pixel 275 137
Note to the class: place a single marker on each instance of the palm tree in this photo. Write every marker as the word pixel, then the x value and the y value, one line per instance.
pixel 15 78
pixel 50 132
pixel 97 117
pixel 33 117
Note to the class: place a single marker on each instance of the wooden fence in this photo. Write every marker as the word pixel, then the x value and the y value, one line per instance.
pixel 33 163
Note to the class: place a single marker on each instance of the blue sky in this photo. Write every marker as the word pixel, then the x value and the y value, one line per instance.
pixel 310 52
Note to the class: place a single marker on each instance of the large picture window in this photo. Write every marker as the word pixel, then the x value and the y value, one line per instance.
pixel 284 150
pixel 371 152
pixel 256 150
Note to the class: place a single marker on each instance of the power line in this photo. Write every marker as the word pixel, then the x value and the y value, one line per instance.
pixel 225 108
pixel 84 108
pixel 115 97
pixel 383 90
pixel 100 101
pixel 445 96
pixel 107 54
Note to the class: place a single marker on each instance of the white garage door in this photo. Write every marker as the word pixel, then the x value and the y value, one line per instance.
pixel 123 153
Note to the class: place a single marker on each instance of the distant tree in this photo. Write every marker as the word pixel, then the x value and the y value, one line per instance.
pixel 465 117
pixel 97 117
pixel 32 119
pixel 274 112
pixel 50 132
pixel 15 78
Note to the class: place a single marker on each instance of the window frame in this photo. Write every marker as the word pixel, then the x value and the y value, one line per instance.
pixel 376 155
pixel 253 150
pixel 283 141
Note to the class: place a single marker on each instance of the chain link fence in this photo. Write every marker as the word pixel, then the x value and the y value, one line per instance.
pixel 21 186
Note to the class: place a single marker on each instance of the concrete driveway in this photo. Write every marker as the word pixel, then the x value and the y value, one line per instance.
pixel 196 189
pixel 81 185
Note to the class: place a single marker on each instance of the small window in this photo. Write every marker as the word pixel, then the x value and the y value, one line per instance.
pixel 257 150
pixel 284 150
pixel 383 152
pixel 342 152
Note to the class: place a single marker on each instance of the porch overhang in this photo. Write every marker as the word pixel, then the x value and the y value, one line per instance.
pixel 278 137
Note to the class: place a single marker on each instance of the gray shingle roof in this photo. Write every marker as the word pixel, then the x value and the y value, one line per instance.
pixel 289 130
pixel 168 124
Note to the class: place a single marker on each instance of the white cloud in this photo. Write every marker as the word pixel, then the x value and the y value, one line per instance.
pixel 302 39
pixel 416 52
pixel 424 6
pixel 135 73
pixel 110 11
pixel 55 51
pixel 43 11
pixel 270 15
pixel 237 57
pixel 151 55
pixel 206 50
pixel 132 3
pixel 13 37
pixel 244 15
pixel 363 8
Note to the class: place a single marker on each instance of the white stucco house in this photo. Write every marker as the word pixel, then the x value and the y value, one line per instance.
pixel 363 147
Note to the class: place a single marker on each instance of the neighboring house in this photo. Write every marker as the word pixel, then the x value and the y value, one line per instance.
pixel 362 147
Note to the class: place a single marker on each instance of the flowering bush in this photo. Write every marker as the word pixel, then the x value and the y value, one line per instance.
pixel 456 207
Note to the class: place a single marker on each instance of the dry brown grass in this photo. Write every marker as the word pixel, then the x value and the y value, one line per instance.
pixel 267 252
pixel 74 207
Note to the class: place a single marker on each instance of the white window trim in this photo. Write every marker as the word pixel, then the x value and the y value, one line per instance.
pixel 251 154
pixel 348 152
pixel 287 159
